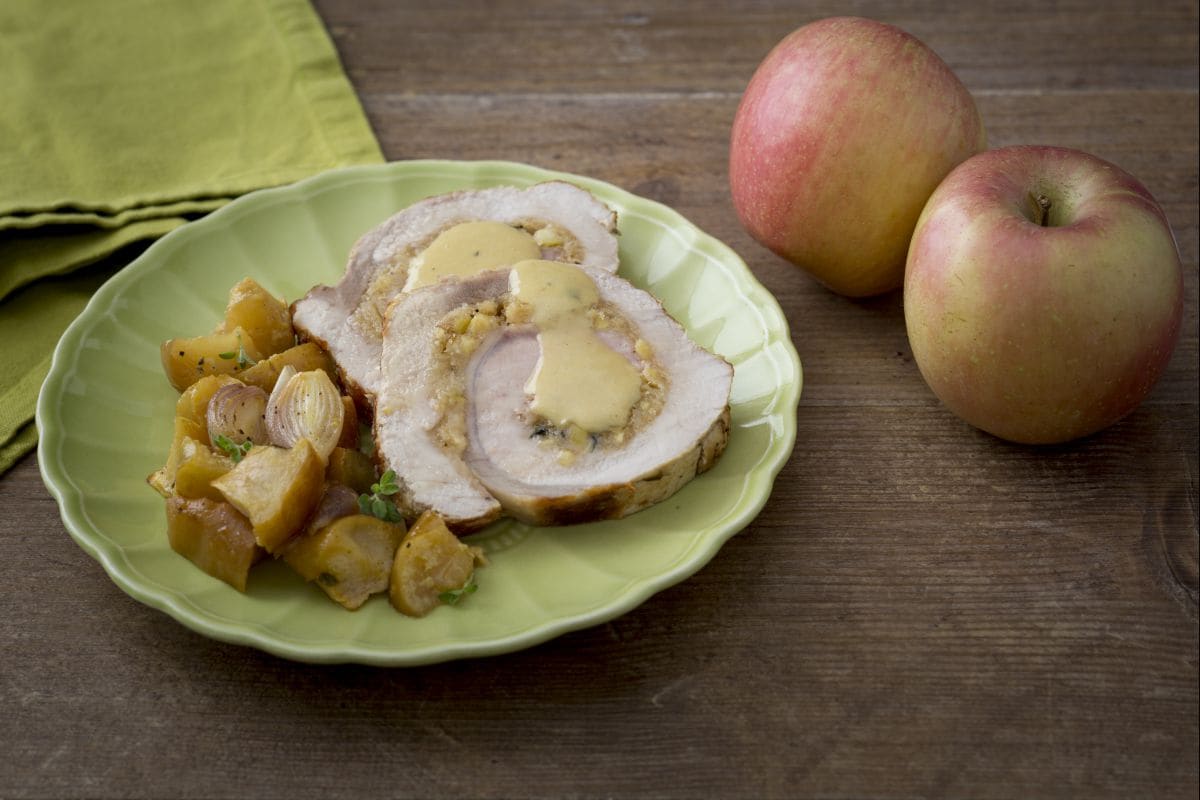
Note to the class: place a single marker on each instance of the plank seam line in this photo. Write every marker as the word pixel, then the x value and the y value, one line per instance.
pixel 733 95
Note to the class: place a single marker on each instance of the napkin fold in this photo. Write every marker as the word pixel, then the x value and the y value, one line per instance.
pixel 122 120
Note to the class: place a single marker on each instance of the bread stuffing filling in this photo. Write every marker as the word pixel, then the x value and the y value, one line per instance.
pixel 461 248
pixel 605 387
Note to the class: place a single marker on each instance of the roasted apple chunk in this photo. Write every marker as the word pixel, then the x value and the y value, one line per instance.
pixel 302 358
pixel 213 536
pixel 276 488
pixel 197 470
pixel 188 360
pixel 431 563
pixel 350 558
pixel 261 315
pixel 351 468
pixel 350 432
pixel 163 479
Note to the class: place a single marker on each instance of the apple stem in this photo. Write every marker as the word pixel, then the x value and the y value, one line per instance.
pixel 1041 209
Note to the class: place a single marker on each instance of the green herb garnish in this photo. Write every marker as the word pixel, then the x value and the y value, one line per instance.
pixel 376 503
pixel 243 360
pixel 233 449
pixel 454 595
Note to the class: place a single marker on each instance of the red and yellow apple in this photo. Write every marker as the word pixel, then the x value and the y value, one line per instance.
pixel 1043 293
pixel 842 134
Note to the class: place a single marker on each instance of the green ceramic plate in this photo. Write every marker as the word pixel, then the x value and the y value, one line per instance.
pixel 105 416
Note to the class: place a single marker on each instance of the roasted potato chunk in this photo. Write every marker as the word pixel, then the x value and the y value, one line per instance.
pixel 263 317
pixel 214 537
pixel 276 489
pixel 429 562
pixel 303 357
pixel 350 558
pixel 198 468
pixel 188 360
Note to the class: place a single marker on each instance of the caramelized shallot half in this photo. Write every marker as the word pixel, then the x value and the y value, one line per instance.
pixel 236 411
pixel 338 501
pixel 305 405
pixel 285 375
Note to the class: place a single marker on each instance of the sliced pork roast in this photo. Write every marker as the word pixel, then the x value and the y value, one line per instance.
pixel 566 222
pixel 456 414
pixel 420 396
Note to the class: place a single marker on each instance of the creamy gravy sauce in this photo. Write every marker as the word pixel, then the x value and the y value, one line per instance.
pixel 578 379
pixel 468 248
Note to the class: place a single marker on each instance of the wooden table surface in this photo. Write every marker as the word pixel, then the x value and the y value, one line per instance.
pixel 919 610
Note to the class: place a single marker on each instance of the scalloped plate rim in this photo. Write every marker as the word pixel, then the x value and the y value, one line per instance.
pixel 755 491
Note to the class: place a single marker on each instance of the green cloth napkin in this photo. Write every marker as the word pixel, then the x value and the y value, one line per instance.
pixel 121 120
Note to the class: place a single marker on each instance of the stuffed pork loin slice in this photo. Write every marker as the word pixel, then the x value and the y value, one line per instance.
pixel 459 417
pixel 419 429
pixel 566 223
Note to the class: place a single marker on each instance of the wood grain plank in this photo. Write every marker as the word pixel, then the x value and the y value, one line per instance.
pixel 677 152
pixel 710 46
pixel 1018 650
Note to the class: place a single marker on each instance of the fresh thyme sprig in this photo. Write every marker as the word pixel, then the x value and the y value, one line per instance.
pixel 233 449
pixel 454 595
pixel 243 359
pixel 376 503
